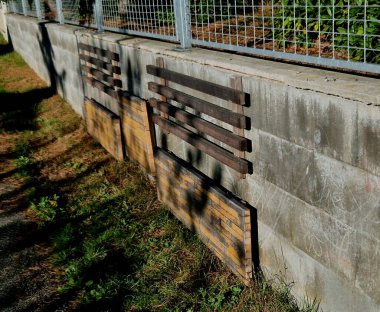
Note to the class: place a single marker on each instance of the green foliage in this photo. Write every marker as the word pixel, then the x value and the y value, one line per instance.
pixel 204 11
pixel 166 16
pixel 23 147
pixel 23 164
pixel 79 167
pixel 331 17
pixel 46 208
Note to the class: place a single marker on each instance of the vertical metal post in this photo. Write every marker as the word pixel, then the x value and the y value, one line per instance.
pixel 98 12
pixel 24 7
pixel 60 16
pixel 38 9
pixel 183 23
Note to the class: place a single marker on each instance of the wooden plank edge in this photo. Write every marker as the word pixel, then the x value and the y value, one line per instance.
pixel 215 151
pixel 102 76
pixel 210 88
pixel 220 113
pixel 101 86
pixel 99 52
pixel 227 137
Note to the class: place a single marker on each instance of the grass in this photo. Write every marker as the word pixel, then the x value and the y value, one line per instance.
pixel 114 246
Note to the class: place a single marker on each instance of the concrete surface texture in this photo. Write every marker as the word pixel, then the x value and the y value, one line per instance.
pixel 3 21
pixel 315 153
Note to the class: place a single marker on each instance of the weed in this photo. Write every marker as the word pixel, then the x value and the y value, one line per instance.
pixel 79 167
pixel 47 208
pixel 23 164
pixel 311 305
pixel 23 147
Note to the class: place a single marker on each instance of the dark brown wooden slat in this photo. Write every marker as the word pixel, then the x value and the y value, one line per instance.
pixel 219 133
pixel 101 86
pixel 100 64
pixel 225 93
pixel 215 151
pixel 102 76
pixel 220 113
pixel 99 52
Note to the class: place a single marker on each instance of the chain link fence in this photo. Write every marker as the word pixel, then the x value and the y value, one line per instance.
pixel 77 12
pixel 144 17
pixel 335 33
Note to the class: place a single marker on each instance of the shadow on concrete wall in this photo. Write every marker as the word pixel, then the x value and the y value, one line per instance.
pixel 56 78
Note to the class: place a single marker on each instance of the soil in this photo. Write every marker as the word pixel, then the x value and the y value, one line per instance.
pixel 27 279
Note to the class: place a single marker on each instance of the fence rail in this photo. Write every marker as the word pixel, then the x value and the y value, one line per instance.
pixel 336 33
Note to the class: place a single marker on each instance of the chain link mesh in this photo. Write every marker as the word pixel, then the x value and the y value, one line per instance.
pixel 31 8
pixel 140 16
pixel 15 6
pixel 336 29
pixel 78 12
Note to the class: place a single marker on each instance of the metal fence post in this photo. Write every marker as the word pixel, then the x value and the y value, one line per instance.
pixel 13 7
pixel 60 16
pixel 38 9
pixel 98 12
pixel 24 8
pixel 183 23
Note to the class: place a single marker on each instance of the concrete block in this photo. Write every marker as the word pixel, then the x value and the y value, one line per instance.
pixel 369 138
pixel 311 230
pixel 335 133
pixel 349 194
pixel 282 111
pixel 282 261
pixel 368 266
pixel 287 165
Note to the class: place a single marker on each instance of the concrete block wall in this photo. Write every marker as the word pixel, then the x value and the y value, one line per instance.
pixel 315 153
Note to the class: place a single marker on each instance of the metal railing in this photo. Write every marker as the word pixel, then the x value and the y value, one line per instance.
pixel 335 33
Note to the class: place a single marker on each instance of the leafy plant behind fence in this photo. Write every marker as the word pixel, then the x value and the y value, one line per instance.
pixel 345 24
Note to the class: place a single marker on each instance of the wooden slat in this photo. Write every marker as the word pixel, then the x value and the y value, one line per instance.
pixel 215 151
pixel 102 76
pixel 99 52
pixel 161 64
pixel 220 113
pixel 226 93
pixel 100 64
pixel 101 86
pixel 236 83
pixel 219 133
